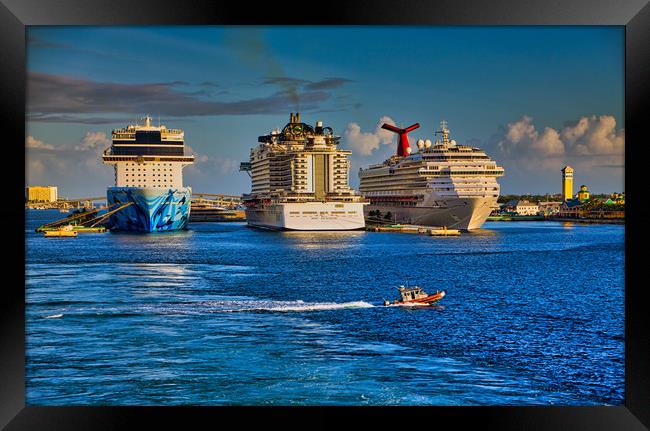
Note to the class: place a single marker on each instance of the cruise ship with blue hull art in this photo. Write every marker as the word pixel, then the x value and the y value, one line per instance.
pixel 153 209
pixel 148 162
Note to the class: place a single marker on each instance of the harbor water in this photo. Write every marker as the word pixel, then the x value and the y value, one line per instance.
pixel 223 314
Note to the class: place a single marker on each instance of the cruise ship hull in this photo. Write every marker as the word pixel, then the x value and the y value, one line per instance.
pixel 307 216
pixel 454 213
pixel 152 209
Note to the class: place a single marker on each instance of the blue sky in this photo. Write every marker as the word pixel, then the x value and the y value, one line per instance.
pixel 535 98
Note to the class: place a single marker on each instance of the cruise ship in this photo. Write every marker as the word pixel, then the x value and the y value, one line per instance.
pixel 300 181
pixel 440 184
pixel 148 162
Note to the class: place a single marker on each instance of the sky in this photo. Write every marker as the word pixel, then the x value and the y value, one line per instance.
pixel 534 98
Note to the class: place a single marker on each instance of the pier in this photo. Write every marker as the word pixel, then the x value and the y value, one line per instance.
pixel 209 207
pixel 83 221
pixel 422 230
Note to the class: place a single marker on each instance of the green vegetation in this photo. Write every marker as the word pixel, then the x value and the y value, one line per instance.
pixel 599 204
pixel 552 198
pixel 530 198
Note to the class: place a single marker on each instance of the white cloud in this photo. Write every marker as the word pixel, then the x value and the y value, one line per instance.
pixel 215 174
pixel 211 165
pixel 548 143
pixel 31 142
pixel 76 167
pixel 585 143
pixel 365 143
pixel 595 136
pixel 522 137
pixel 94 141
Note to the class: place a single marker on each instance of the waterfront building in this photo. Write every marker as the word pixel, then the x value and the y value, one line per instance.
pixel 509 206
pixel 567 183
pixel 549 208
pixel 520 207
pixel 524 207
pixel 300 181
pixel 439 184
pixel 148 162
pixel 571 208
pixel 583 194
pixel 41 193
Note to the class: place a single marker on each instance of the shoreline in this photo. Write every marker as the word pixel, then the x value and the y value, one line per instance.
pixel 573 220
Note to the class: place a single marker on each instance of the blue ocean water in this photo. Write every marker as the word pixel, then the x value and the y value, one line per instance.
pixel 223 314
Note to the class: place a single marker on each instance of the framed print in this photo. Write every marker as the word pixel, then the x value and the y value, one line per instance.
pixel 427 211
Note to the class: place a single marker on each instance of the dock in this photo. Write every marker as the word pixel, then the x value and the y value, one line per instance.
pixel 516 218
pixel 77 228
pixel 81 222
pixel 218 208
pixel 422 230
pixel 215 215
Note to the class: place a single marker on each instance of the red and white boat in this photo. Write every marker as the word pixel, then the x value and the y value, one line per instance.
pixel 416 296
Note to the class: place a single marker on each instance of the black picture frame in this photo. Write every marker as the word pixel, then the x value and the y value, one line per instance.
pixel 15 15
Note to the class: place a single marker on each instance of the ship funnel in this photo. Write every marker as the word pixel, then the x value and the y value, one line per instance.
pixel 403 146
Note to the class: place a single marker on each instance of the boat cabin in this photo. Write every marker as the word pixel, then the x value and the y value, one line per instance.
pixel 411 293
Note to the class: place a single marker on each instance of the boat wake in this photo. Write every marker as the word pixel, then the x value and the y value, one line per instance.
pixel 299 306
pixel 228 306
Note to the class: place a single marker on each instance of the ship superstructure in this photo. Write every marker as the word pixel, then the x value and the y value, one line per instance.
pixel 440 184
pixel 148 161
pixel 300 181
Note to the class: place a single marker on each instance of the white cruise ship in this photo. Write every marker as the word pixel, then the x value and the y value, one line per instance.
pixel 300 181
pixel 148 162
pixel 440 184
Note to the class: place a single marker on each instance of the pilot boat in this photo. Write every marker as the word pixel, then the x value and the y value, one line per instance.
pixel 416 296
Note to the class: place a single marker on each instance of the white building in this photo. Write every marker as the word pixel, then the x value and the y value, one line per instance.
pixel 526 208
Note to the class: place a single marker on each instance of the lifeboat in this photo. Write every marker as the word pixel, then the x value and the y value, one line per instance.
pixel 416 296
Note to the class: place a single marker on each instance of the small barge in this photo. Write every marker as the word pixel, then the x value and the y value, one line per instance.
pixel 62 232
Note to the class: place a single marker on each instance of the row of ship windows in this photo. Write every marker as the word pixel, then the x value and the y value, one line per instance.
pixel 143 181
pixel 321 212
pixel 401 204
pixel 148 164
pixel 153 175
pixel 463 190
pixel 133 169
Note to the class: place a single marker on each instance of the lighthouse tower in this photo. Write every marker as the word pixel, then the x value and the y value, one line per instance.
pixel 567 183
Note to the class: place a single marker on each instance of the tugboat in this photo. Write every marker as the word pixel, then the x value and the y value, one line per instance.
pixel 416 296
